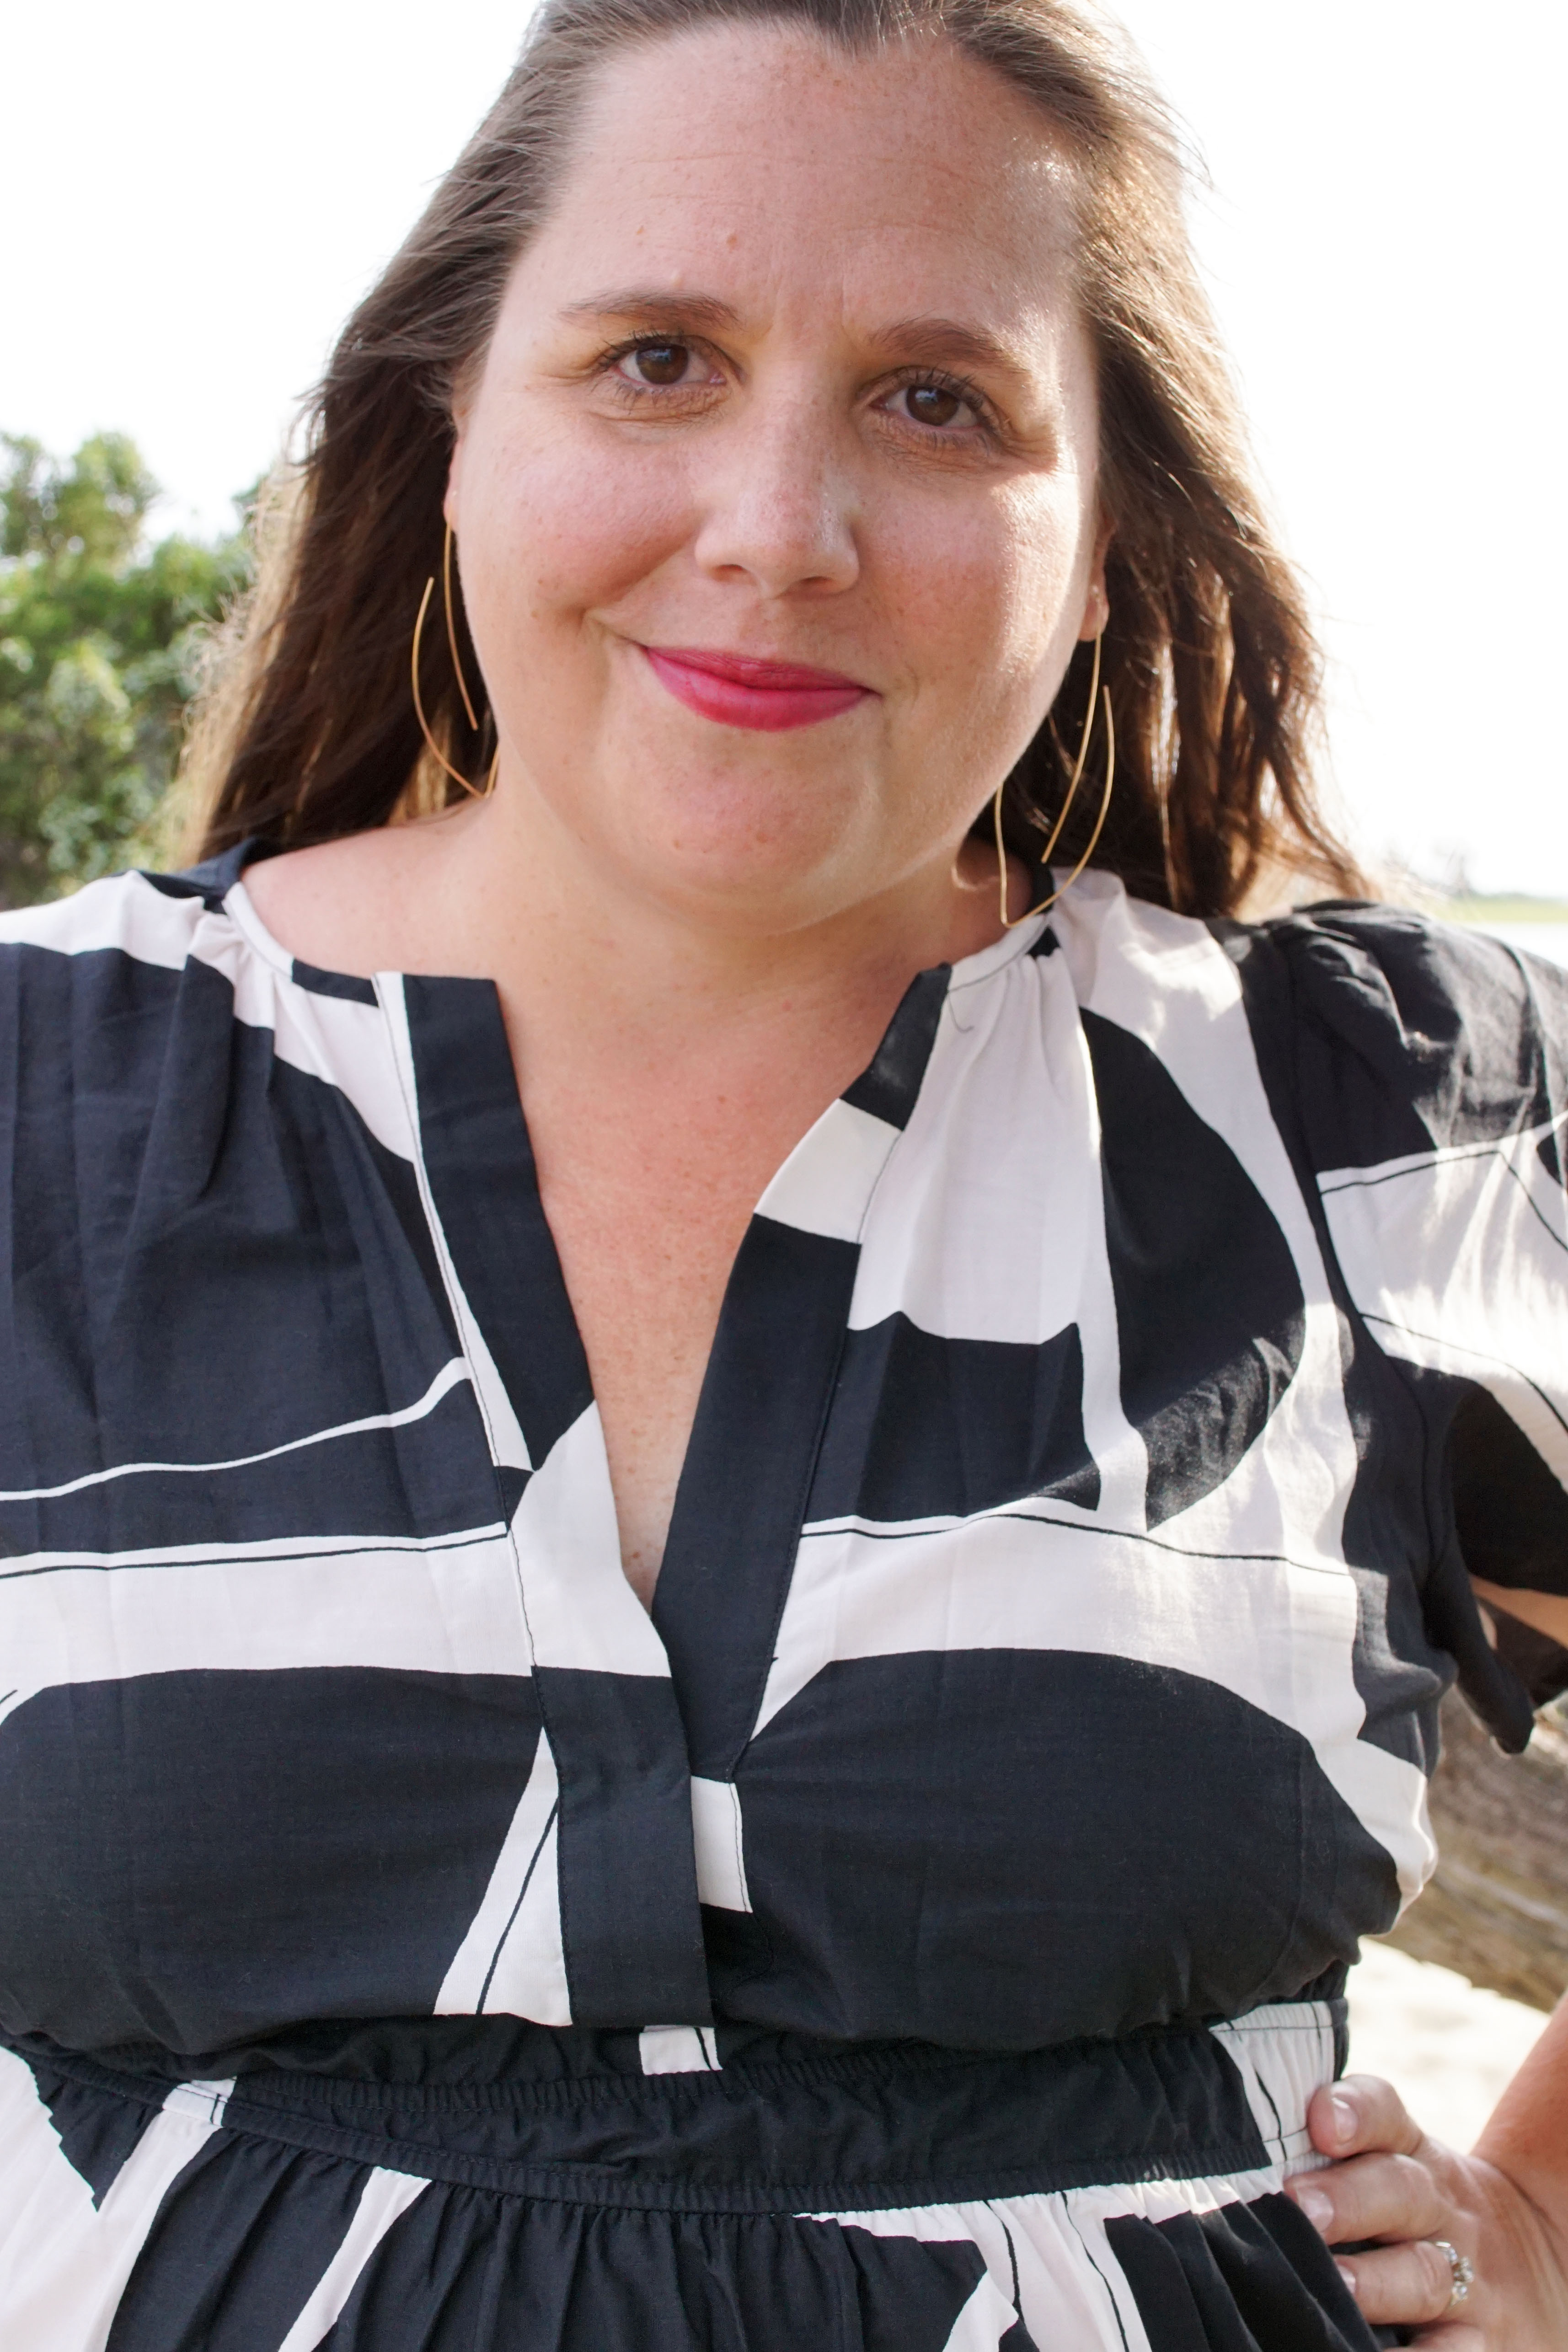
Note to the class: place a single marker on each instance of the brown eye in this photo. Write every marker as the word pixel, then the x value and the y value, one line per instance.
pixel 928 404
pixel 658 364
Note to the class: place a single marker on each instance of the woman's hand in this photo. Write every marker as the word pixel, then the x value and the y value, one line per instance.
pixel 1390 2182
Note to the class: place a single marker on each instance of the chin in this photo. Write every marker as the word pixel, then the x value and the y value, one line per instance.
pixel 734 841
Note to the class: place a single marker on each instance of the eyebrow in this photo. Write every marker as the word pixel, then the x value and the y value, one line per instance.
pixel 932 340
pixel 936 339
pixel 656 306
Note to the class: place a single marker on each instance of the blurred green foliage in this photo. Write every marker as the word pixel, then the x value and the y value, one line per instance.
pixel 100 637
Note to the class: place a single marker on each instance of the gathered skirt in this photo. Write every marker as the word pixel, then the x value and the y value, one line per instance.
pixel 441 2188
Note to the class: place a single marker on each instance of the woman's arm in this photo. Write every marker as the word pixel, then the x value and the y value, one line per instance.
pixel 1505 2206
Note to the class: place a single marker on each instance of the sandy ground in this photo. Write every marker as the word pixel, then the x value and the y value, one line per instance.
pixel 1449 2048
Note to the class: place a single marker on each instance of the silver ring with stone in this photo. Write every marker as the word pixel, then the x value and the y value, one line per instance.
pixel 1461 2272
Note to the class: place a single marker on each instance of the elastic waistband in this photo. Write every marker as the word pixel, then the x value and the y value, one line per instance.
pixel 783 2127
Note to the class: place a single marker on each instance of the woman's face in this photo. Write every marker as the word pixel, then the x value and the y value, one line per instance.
pixel 793 378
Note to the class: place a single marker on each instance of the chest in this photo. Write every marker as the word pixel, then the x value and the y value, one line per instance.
pixel 648 1208
pixel 976 1527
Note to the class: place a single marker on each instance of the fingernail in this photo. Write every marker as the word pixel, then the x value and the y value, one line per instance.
pixel 1347 2275
pixel 1345 2117
pixel 1318 2209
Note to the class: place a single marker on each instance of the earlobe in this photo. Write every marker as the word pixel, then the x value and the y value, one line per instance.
pixel 1097 602
pixel 1096 611
pixel 454 478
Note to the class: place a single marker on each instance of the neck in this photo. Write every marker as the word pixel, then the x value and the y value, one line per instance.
pixel 590 961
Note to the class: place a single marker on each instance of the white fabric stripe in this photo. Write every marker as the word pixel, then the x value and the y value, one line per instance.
pixel 206 2101
pixel 512 1961
pixel 580 1608
pixel 385 2197
pixel 64 2263
pixel 121 911
pixel 989 1221
pixel 678 2049
pixel 507 1444
pixel 1457 1262
pixel 1411 1163
pixel 719 1839
pixel 1278 1633
pixel 984 2319
pixel 446 1378
pixel 826 1183
pixel 344 1043
pixel 32 1563
pixel 428 1610
pixel 1068 2298
pixel 1283 2054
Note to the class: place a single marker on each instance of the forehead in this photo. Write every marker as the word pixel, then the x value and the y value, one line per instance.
pixel 907 173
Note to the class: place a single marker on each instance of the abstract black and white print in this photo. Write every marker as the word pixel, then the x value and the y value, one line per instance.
pixel 1111 1396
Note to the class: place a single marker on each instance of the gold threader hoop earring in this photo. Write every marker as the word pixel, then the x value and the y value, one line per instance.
pixel 475 791
pixel 1011 923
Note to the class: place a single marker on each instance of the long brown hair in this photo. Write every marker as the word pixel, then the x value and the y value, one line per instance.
pixel 1209 655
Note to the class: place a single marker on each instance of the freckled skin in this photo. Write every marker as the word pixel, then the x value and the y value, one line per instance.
pixel 792 371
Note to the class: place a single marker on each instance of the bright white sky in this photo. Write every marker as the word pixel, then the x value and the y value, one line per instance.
pixel 207 189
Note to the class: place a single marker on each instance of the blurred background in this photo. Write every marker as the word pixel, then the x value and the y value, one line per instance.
pixel 199 197
pixel 206 194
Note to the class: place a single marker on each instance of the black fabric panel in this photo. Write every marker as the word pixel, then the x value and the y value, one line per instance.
pixel 789 2124
pixel 236 2249
pixel 1399 1521
pixel 890 1800
pixel 743 1491
pixel 195 1858
pixel 887 1088
pixel 1209 1312
pixel 1416 1034
pixel 630 1919
pixel 462 2272
pixel 97 2132
pixel 1510 1512
pixel 344 984
pixel 480 1164
pixel 426 1478
pixel 922 1427
pixel 1244 2278
pixel 203 1251
pixel 215 876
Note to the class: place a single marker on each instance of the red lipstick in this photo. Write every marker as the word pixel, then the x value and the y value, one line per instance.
pixel 735 690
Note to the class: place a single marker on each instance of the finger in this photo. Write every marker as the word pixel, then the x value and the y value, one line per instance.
pixel 1372 2197
pixel 1400 2286
pixel 1448 2336
pixel 1361 2111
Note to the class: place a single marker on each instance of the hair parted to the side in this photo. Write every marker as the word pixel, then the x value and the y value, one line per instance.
pixel 310 732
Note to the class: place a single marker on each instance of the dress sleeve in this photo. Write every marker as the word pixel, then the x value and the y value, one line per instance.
pixel 1432 1074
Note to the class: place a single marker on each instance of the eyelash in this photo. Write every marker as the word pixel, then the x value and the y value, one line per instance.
pixel 987 423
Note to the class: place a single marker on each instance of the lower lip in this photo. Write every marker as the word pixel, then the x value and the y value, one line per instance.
pixel 768 710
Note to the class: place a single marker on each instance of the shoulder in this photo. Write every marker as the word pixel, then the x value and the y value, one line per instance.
pixel 1400 1033
pixel 149 919
pixel 90 984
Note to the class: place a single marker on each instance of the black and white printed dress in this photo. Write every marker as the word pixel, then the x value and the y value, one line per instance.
pixel 927 1930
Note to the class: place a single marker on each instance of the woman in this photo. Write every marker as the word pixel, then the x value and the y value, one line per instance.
pixel 734 1528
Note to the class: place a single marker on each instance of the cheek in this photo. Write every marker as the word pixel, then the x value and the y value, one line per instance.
pixel 984 591
pixel 558 529
pixel 988 581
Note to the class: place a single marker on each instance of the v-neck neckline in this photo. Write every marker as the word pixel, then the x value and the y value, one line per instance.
pixel 747 1465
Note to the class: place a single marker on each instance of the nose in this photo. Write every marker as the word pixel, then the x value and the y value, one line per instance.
pixel 778 510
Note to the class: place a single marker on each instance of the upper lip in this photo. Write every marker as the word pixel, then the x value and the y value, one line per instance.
pixel 751 669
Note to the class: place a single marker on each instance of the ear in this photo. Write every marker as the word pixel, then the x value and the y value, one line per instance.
pixel 1096 598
